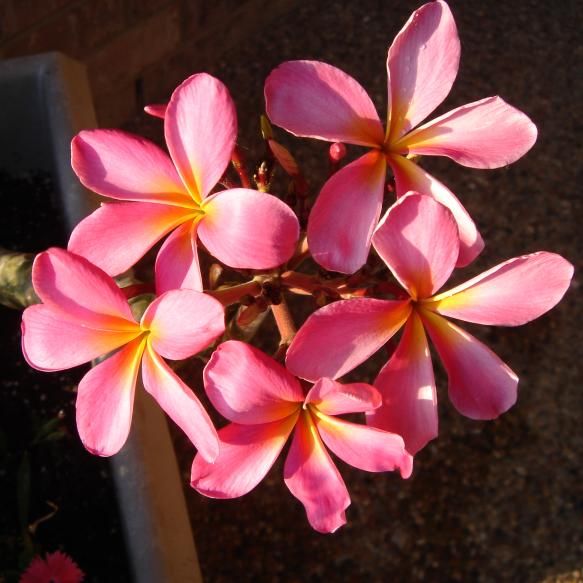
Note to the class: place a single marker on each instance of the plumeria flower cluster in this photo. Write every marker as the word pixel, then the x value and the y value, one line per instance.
pixel 186 198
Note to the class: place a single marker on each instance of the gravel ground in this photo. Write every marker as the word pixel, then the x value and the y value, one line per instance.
pixel 488 502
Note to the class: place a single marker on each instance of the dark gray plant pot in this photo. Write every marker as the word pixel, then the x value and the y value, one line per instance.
pixel 44 101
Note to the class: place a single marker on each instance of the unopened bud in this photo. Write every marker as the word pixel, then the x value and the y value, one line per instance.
pixel 337 152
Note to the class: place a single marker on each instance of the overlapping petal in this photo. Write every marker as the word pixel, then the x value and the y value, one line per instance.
pixel 177 264
pixel 341 335
pixel 316 100
pixel 418 240
pixel 180 403
pixel 312 477
pixel 51 341
pixel 105 400
pixel 247 452
pixel 333 398
pixel 183 322
pixel 72 285
pixel 200 126
pixel 116 235
pixel 248 387
pixel 484 134
pixel 421 66
pixel 410 177
pixel 481 386
pixel 123 166
pixel 345 214
pixel 366 448
pixel 407 386
pixel 248 229
pixel 510 294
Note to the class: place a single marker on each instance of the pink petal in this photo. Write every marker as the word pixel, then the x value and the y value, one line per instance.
pixel 365 448
pixel 180 404
pixel 106 398
pixel 247 452
pixel 510 294
pixel 345 214
pixel 117 235
pixel 183 322
pixel 314 480
pixel 177 264
pixel 248 229
pixel 63 568
pixel 156 110
pixel 248 387
pixel 71 284
pixel 481 386
pixel 485 134
pixel 409 176
pixel 200 125
pixel 407 385
pixel 51 341
pixel 123 166
pixel 333 398
pixel 315 100
pixel 422 65
pixel 418 240
pixel 338 337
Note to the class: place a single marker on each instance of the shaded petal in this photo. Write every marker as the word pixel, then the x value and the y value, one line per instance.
pixel 105 400
pixel 71 284
pixel 365 448
pixel 409 176
pixel 177 264
pixel 345 214
pixel 338 337
pixel 180 404
pixel 481 386
pixel 183 322
pixel 51 341
pixel 248 229
pixel 333 398
pixel 117 235
pixel 200 126
pixel 247 453
pixel 485 134
pixel 422 65
pixel 247 386
pixel 312 477
pixel 510 294
pixel 123 166
pixel 407 386
pixel 316 100
pixel 418 240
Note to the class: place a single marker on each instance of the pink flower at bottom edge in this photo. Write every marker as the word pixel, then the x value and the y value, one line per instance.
pixel 265 403
pixel 57 567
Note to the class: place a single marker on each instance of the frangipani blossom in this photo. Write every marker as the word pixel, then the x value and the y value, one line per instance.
pixel 418 240
pixel 265 403
pixel 314 99
pixel 171 194
pixel 84 316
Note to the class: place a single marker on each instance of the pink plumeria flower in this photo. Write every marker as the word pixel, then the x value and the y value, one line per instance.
pixel 418 240
pixel 172 194
pixel 265 403
pixel 314 99
pixel 84 315
pixel 56 568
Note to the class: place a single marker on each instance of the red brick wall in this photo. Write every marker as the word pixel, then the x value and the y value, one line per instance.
pixel 136 51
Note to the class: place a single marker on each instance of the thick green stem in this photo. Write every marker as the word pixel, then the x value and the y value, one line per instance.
pixel 16 289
